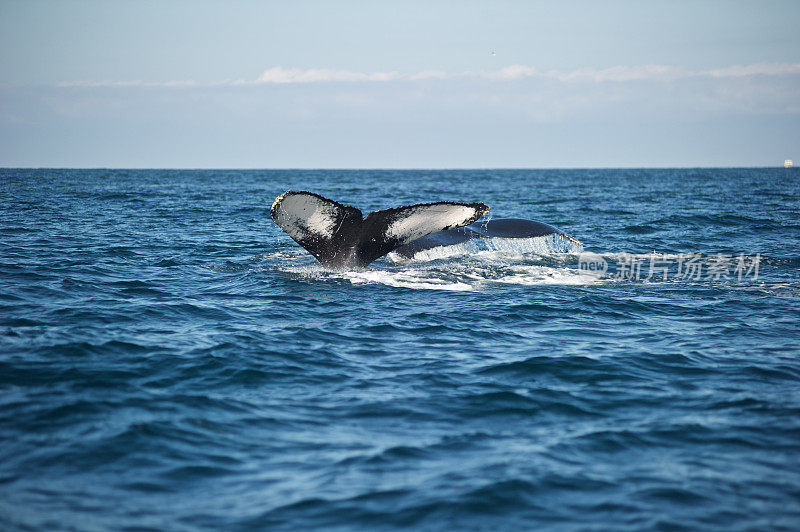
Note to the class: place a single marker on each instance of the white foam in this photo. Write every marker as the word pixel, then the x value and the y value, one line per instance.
pixel 407 279
pixel 537 275
pixel 481 272
pixel 482 269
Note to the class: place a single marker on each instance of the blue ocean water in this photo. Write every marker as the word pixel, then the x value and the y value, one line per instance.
pixel 171 360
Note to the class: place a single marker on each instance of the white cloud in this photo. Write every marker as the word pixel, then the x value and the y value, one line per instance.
pixel 320 75
pixel 758 69
pixel 644 73
pixel 139 83
pixel 616 74
pixel 513 72
pixel 623 73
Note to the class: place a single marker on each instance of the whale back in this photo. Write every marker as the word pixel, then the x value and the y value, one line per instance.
pixel 338 237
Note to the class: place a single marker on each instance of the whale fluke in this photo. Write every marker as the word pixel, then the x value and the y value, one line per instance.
pixel 339 237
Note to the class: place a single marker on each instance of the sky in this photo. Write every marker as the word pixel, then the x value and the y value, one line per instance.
pixel 414 84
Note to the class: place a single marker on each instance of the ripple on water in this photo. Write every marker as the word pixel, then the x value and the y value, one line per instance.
pixel 169 359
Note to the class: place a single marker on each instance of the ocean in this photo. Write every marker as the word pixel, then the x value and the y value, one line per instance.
pixel 171 360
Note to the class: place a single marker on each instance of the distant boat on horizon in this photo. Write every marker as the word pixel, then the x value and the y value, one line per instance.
pixel 787 163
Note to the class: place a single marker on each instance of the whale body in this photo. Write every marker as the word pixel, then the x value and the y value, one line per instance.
pixel 339 236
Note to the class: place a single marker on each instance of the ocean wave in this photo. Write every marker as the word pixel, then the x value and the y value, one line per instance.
pixel 185 365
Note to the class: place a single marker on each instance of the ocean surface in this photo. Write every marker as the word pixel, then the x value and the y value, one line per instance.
pixel 171 360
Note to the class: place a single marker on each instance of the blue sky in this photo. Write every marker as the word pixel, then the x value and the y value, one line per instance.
pixel 399 84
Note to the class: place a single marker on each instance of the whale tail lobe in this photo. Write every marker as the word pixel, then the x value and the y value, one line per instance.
pixel 339 236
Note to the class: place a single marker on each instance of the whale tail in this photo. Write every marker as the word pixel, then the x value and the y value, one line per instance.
pixel 339 236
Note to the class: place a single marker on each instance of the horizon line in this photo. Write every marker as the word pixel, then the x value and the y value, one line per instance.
pixel 378 168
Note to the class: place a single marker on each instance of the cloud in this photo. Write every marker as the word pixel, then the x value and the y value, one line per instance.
pixel 280 75
pixel 758 69
pixel 644 73
pixel 615 74
pixel 321 75
pixel 138 83
pixel 296 75
pixel 620 74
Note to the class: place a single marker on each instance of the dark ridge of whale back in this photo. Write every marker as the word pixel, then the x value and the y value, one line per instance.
pixel 338 237
pixel 513 228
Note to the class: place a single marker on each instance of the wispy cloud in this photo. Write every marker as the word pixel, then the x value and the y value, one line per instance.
pixel 764 69
pixel 645 73
pixel 318 75
pixel 280 75
pixel 139 83
pixel 604 75
pixel 616 74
